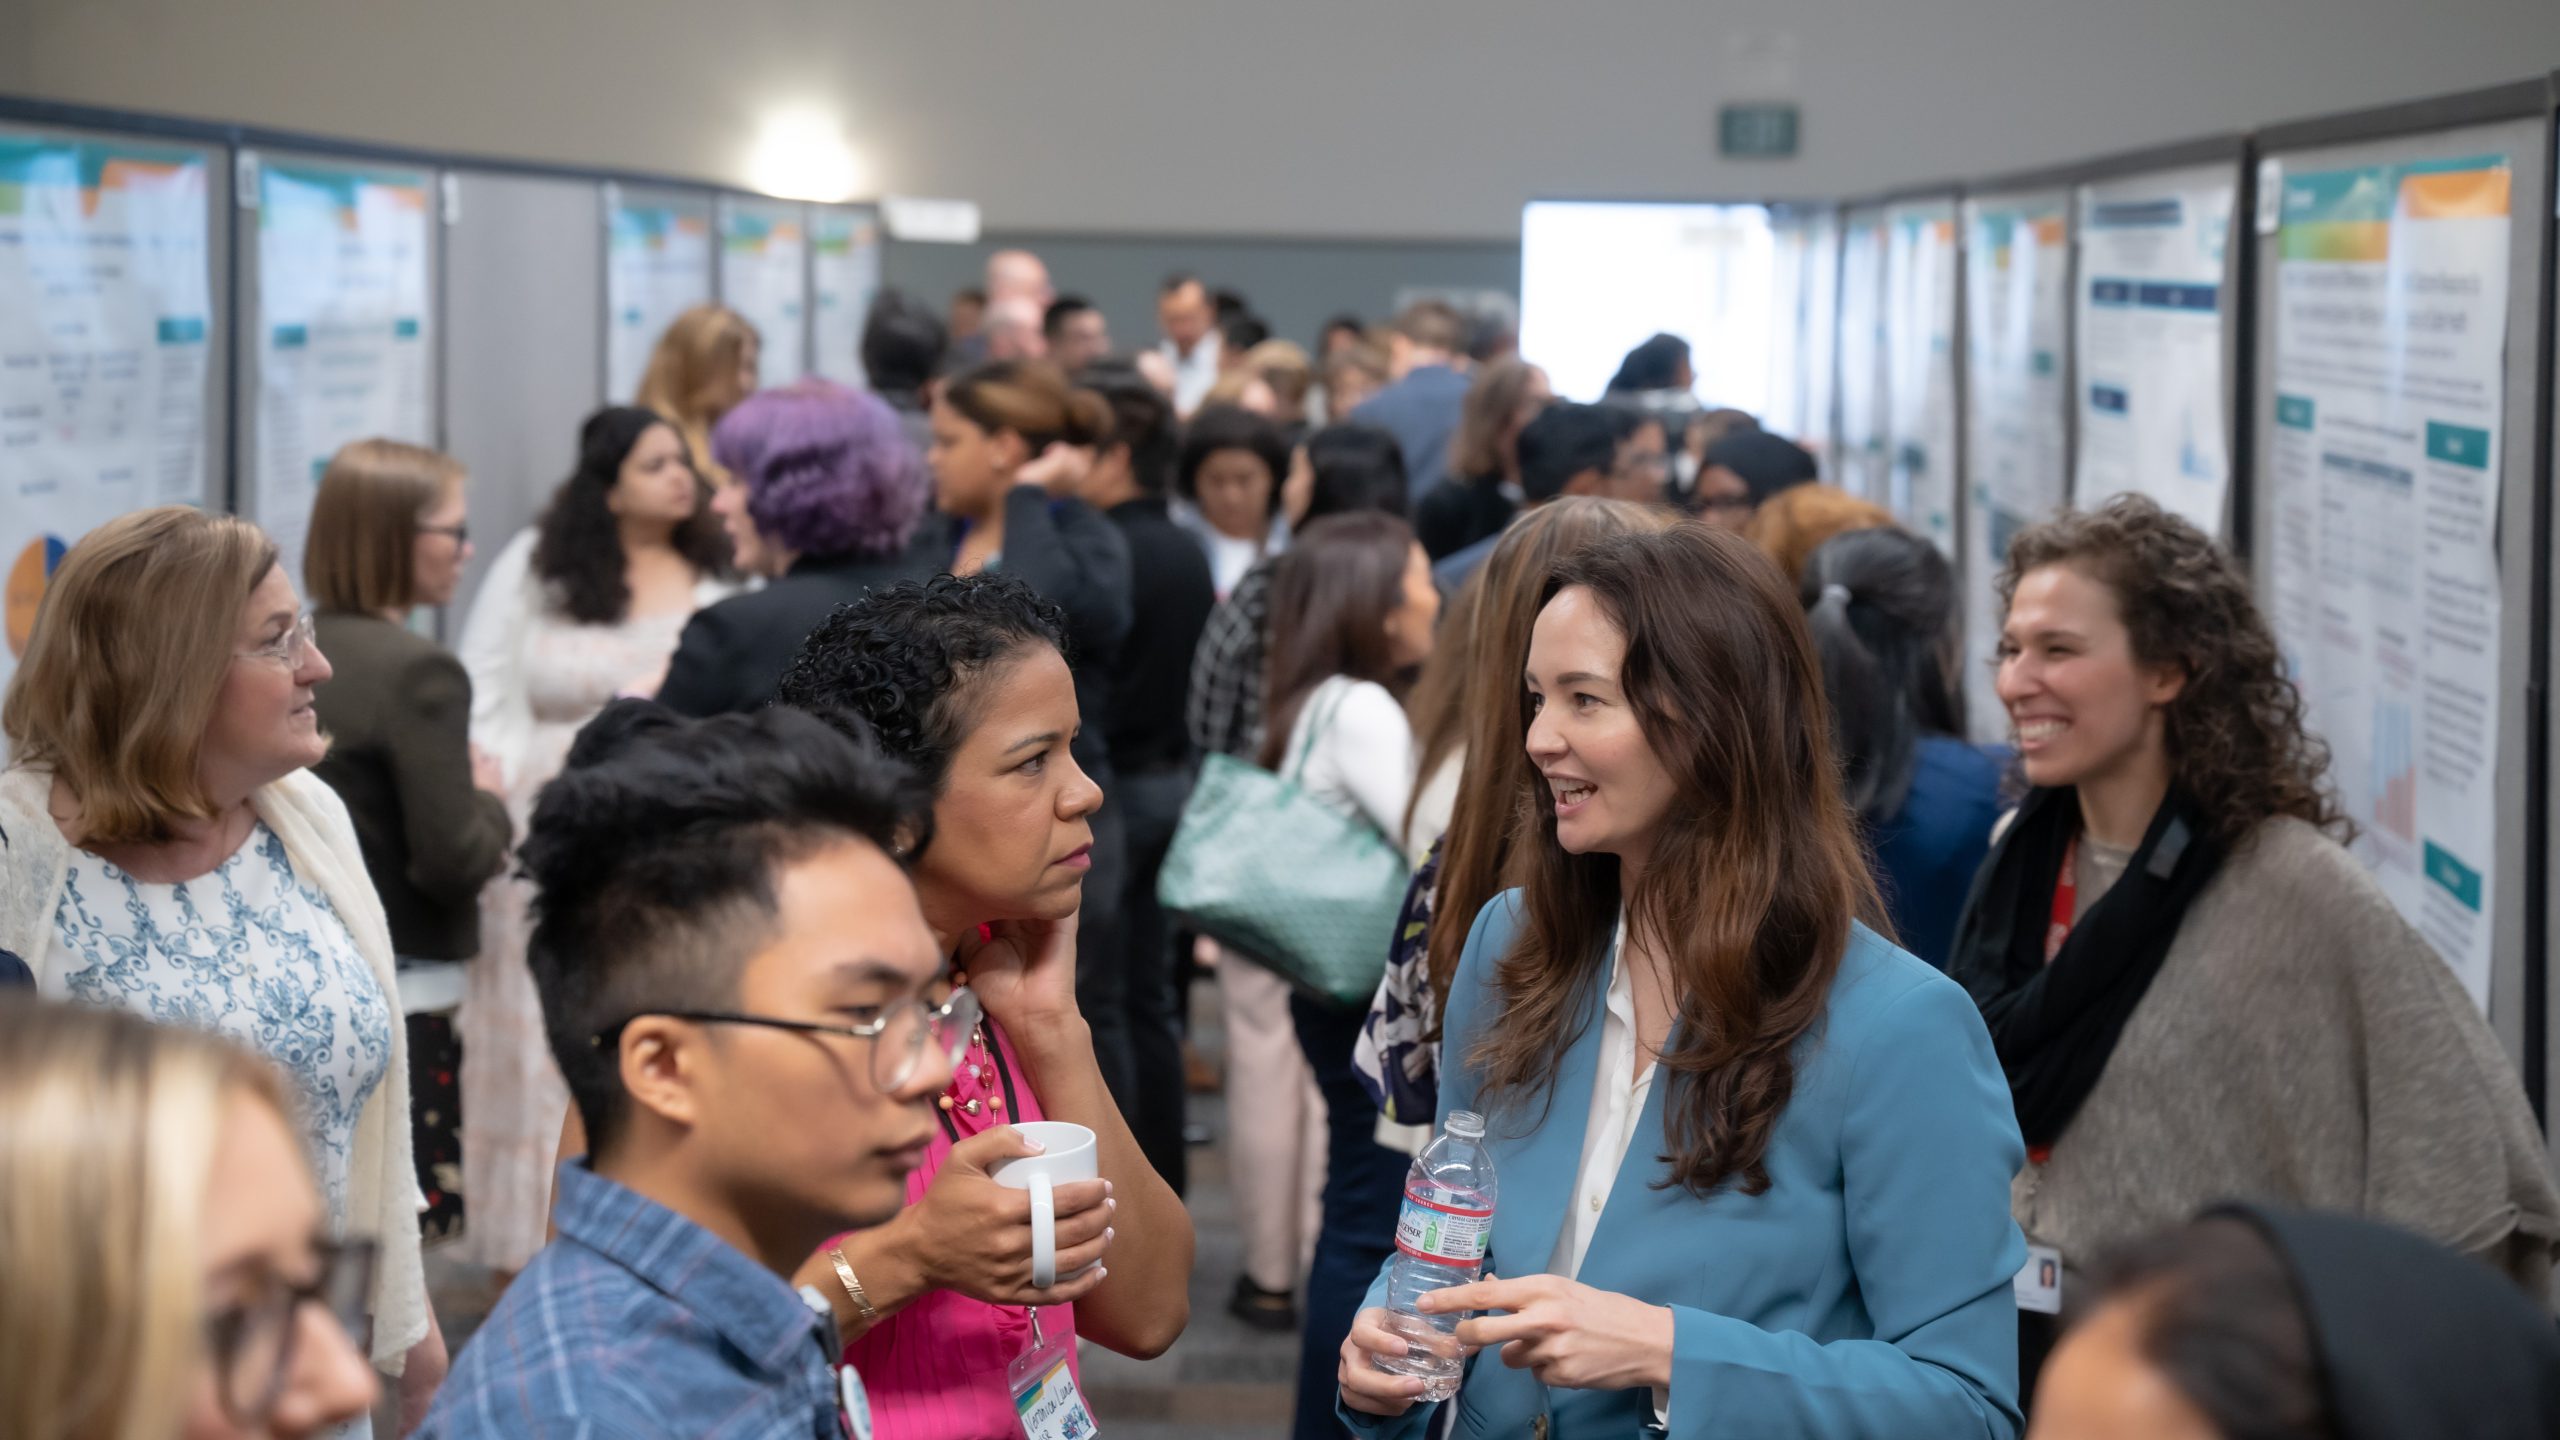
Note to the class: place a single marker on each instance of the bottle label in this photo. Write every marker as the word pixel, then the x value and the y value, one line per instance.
pixel 1443 1234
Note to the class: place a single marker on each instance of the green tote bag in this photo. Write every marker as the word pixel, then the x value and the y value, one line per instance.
pixel 1269 871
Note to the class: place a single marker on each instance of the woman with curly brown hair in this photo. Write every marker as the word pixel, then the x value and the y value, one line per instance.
pixel 2196 992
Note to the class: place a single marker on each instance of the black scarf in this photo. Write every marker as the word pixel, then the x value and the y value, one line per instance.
pixel 2055 1025
pixel 2414 1341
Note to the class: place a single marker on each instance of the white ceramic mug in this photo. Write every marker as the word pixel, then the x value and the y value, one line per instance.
pixel 1071 1153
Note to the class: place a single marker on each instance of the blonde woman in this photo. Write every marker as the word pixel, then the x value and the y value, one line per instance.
pixel 169 1270
pixel 704 365
pixel 170 854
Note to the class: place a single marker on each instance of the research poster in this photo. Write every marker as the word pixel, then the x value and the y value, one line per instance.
pixel 2017 303
pixel 342 339
pixel 764 276
pixel 106 324
pixel 1864 462
pixel 657 266
pixel 1920 368
pixel 2151 324
pixel 844 273
pixel 2383 469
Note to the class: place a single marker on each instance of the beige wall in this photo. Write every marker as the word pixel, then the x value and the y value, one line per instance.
pixel 1336 117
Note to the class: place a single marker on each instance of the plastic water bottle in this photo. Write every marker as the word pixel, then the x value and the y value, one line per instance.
pixel 1440 1242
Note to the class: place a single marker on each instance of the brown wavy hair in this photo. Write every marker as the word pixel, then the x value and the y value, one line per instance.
pixel 1755 876
pixel 1469 696
pixel 2235 732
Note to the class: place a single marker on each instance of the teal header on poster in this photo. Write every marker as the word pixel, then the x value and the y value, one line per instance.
pixel 1756 132
pixel 2458 445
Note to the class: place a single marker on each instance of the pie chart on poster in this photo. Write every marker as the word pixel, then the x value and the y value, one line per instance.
pixel 27 576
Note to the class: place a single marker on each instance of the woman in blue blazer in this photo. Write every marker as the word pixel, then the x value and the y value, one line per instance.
pixel 1802 1230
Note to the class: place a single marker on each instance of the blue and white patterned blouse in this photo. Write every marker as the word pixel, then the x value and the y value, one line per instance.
pixel 248 952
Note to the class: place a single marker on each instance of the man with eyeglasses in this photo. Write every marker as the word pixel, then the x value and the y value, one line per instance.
pixel 735 976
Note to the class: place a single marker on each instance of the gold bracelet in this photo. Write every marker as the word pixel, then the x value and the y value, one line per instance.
pixel 853 1287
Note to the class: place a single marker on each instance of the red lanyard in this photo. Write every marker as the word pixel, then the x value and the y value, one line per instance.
pixel 2066 904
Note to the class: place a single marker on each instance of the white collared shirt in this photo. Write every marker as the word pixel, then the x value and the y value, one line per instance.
pixel 1618 1097
pixel 1195 373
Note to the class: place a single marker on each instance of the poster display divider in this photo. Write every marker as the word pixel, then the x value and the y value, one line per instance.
pixel 2401 387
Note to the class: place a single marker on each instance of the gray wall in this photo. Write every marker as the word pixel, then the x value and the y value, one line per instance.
pixel 1295 285
pixel 1424 118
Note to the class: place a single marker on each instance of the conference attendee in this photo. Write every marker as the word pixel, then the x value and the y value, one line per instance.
pixel 1012 332
pixel 1011 442
pixel 1484 492
pixel 963 679
pixel 1351 376
pixel 170 1271
pixel 1228 474
pixel 1468 734
pixel 704 364
pixel 1589 450
pixel 902 349
pixel 1189 322
pixel 1658 365
pixel 170 853
pixel 1425 393
pixel 1803 518
pixel 732 967
pixel 1352 612
pixel 1151 754
pixel 2258 1321
pixel 390 532
pixel 585 606
pixel 1742 471
pixel 1882 607
pixel 1076 333
pixel 831 496
pixel 1830 1107
pixel 2196 991
pixel 968 313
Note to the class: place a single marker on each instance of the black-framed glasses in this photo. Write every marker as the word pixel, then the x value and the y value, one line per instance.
pixel 461 533
pixel 253 1341
pixel 900 1037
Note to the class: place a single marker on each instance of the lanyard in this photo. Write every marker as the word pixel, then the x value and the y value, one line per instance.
pixel 2066 904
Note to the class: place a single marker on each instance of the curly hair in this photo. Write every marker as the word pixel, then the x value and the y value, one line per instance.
pixel 2236 731
pixel 905 661
pixel 579 545
pixel 827 470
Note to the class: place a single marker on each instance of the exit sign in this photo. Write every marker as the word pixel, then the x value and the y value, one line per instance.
pixel 1756 132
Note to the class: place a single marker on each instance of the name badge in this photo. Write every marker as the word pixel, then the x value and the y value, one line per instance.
pixel 2039 1282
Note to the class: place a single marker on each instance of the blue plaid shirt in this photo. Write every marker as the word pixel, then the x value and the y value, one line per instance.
pixel 637 1322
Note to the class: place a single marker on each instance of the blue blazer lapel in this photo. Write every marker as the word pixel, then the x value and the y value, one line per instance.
pixel 1536 1171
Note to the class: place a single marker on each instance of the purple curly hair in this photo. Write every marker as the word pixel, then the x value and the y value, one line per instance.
pixel 828 471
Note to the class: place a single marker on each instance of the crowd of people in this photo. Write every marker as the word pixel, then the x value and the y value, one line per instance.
pixel 806 800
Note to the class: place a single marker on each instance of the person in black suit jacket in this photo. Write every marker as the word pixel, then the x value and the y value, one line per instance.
pixel 832 493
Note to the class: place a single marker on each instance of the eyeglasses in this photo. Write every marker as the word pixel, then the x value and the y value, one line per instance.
pixel 299 639
pixel 899 1037
pixel 252 1343
pixel 461 533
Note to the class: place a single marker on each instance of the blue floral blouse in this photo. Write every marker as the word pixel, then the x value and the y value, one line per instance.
pixel 248 952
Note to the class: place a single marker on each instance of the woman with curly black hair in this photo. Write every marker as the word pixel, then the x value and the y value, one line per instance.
pixel 585 606
pixel 2196 991
pixel 965 680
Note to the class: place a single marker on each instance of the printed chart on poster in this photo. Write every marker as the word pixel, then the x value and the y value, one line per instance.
pixel 844 273
pixel 1920 368
pixel 2017 305
pixel 106 315
pixel 343 348
pixel 1864 463
pixel 2150 325
pixel 2389 385
pixel 657 266
pixel 764 276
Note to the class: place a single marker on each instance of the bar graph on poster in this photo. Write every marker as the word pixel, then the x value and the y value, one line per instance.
pixel 2389 380
pixel 343 349
pixel 106 317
